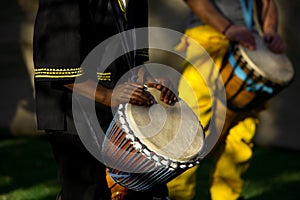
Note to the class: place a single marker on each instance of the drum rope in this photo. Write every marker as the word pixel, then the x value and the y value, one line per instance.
pixel 248 12
pixel 126 150
pixel 247 8
pixel 252 86
pixel 120 19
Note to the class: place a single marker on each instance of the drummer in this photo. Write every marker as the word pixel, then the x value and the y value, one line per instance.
pixel 214 24
pixel 65 33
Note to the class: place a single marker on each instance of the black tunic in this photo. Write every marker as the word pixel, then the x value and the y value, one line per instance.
pixel 65 33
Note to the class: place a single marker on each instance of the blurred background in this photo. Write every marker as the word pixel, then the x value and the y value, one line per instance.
pixel 27 170
pixel 279 125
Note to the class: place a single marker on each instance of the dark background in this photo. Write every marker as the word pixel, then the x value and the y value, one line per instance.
pixel 279 124
pixel 27 170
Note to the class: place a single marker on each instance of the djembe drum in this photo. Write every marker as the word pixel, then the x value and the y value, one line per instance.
pixel 148 146
pixel 251 78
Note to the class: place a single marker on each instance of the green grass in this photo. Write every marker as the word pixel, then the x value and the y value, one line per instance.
pixel 27 172
pixel 274 174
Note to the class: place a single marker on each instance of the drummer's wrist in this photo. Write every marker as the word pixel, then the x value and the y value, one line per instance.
pixel 144 76
pixel 226 28
pixel 103 95
pixel 270 28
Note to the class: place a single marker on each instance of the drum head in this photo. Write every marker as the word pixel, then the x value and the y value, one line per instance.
pixel 173 132
pixel 274 67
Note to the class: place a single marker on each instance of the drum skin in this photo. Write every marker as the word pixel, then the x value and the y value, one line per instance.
pixel 262 68
pixel 250 79
pixel 148 146
pixel 170 131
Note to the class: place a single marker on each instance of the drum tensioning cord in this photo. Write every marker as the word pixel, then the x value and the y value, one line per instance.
pixel 120 19
pixel 249 9
pixel 118 16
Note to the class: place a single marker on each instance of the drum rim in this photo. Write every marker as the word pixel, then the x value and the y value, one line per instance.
pixel 250 64
pixel 140 147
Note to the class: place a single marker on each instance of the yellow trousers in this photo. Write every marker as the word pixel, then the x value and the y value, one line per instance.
pixel 233 160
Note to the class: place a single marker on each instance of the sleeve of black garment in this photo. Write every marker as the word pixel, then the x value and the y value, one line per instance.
pixel 57 40
pixel 138 18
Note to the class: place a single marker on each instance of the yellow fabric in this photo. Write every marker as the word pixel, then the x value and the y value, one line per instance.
pixel 183 186
pixel 226 181
pixel 216 46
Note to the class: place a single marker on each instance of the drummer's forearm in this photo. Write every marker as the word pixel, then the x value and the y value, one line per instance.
pixel 269 16
pixel 207 13
pixel 92 90
pixel 144 76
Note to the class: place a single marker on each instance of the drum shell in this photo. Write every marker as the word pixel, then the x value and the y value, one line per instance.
pixel 120 150
pixel 238 97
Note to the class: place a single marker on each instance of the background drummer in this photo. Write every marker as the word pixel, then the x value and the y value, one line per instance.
pixel 214 24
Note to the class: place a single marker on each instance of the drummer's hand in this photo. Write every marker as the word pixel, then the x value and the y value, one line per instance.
pixel 241 35
pixel 132 93
pixel 166 87
pixel 274 42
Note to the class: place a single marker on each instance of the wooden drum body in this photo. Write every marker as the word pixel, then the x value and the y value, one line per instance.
pixel 253 77
pixel 148 146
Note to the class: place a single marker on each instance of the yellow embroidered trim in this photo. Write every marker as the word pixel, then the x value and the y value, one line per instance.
pixel 104 76
pixel 57 69
pixel 141 54
pixel 57 73
pixel 143 50
pixel 55 76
